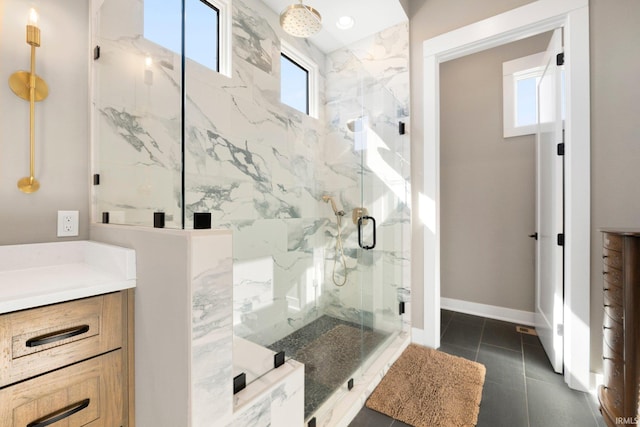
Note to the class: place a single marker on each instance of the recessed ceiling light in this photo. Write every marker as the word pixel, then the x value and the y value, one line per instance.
pixel 345 22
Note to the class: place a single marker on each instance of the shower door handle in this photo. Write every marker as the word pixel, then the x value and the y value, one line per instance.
pixel 360 222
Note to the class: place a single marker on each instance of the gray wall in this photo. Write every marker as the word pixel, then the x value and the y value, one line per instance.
pixel 615 136
pixel 487 186
pixel 615 64
pixel 429 18
pixel 62 138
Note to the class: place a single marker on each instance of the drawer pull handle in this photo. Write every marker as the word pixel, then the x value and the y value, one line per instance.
pixel 605 256
pixel 60 414
pixel 57 336
pixel 605 273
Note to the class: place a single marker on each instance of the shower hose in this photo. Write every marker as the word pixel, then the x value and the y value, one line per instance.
pixel 339 254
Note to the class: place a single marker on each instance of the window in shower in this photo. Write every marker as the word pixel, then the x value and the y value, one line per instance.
pixel 298 81
pixel 206 38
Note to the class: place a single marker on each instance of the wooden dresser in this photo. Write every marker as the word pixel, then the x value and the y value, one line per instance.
pixel 69 363
pixel 619 396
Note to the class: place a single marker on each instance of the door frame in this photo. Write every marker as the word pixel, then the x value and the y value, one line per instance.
pixel 526 21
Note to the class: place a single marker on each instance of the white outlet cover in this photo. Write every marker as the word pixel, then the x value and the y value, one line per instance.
pixel 68 223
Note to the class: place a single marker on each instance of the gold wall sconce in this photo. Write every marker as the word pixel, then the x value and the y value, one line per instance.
pixel 28 86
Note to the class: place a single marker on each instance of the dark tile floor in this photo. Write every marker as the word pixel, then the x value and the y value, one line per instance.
pixel 520 389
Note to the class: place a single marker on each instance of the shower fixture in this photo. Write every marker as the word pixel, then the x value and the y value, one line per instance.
pixel 339 249
pixel 357 124
pixel 329 199
pixel 300 20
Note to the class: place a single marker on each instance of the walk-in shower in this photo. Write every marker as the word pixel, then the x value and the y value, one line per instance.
pixel 307 280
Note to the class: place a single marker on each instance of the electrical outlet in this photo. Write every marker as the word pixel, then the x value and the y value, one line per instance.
pixel 68 223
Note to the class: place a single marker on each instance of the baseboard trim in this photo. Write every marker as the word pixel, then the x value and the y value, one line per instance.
pixel 490 311
pixel 417 336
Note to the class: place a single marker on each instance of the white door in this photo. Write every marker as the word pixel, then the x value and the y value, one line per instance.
pixel 549 207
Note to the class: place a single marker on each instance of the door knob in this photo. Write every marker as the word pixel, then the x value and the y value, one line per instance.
pixel 534 236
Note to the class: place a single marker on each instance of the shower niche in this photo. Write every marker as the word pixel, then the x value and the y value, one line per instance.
pixel 318 208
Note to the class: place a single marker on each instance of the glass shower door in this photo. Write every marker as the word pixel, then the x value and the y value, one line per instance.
pixel 382 220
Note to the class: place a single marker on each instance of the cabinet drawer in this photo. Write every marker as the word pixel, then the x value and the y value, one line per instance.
pixel 612 241
pixel 42 339
pixel 613 335
pixel 612 258
pixel 88 393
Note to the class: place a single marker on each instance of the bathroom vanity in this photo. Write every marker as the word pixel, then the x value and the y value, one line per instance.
pixel 66 334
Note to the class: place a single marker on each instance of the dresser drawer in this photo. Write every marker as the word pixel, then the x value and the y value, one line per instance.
pixel 612 294
pixel 42 339
pixel 613 335
pixel 612 275
pixel 614 383
pixel 612 241
pixel 88 393
pixel 611 403
pixel 612 258
pixel 613 310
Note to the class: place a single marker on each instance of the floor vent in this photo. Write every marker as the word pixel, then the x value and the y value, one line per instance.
pixel 526 330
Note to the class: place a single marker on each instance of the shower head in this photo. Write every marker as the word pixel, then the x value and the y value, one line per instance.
pixel 300 20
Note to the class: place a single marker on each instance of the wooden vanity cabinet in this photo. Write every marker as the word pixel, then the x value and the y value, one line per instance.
pixel 619 396
pixel 71 361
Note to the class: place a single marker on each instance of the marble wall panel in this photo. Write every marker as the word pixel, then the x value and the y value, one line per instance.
pixel 277 399
pixel 277 277
pixel 211 329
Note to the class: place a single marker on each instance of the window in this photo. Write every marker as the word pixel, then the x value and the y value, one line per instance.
pixel 206 38
pixel 201 33
pixel 298 81
pixel 295 84
pixel 520 79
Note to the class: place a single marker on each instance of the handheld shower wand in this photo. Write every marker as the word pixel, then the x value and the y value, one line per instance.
pixel 339 249
pixel 329 199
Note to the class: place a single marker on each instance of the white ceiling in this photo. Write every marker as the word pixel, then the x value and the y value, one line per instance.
pixel 371 16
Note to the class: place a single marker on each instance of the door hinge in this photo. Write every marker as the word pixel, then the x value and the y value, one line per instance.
pixel 561 239
pixel 96 52
pixel 401 308
pixel 560 59
pixel 561 149
pixel 560 329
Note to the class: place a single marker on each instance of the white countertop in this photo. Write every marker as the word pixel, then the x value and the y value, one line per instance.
pixel 38 274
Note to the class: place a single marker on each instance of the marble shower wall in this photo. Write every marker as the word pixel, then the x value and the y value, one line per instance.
pixel 257 165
